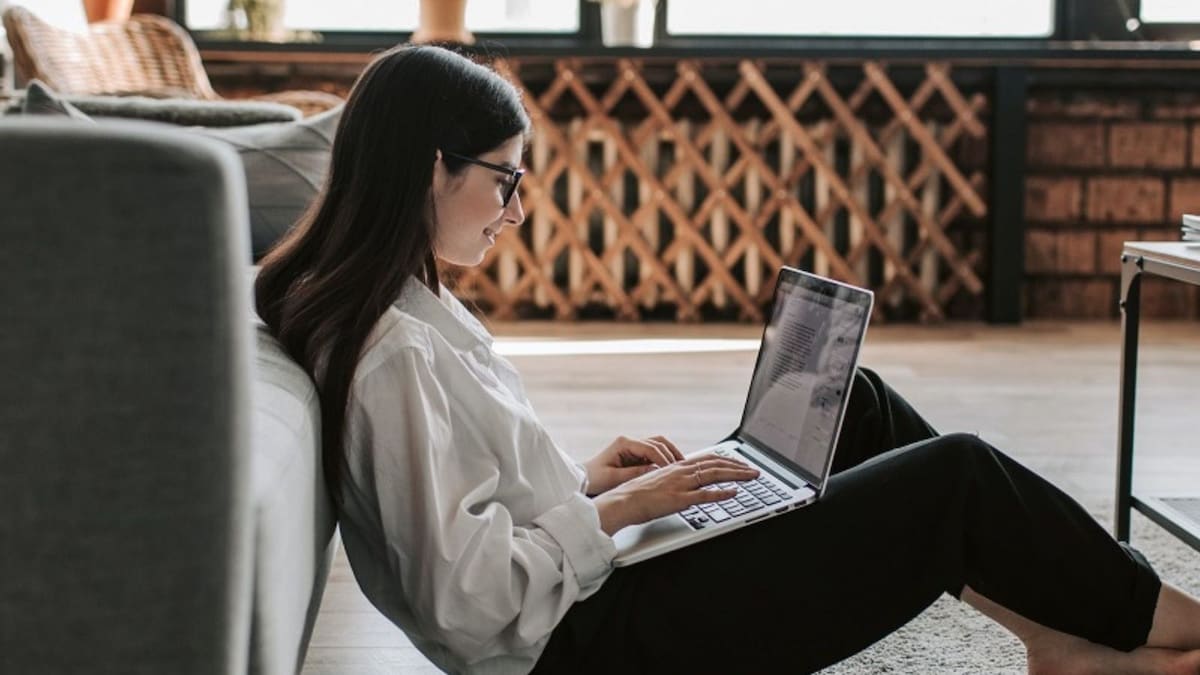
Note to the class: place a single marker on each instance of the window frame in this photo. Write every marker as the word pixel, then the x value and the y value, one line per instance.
pixel 371 39
pixel 661 33
pixel 1074 20
pixel 1164 31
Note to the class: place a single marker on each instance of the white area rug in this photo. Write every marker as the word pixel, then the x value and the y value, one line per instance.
pixel 951 637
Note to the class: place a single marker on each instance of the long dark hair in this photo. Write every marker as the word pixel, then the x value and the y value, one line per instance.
pixel 324 285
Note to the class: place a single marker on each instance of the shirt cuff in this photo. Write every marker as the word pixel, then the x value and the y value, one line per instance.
pixel 575 525
pixel 583 480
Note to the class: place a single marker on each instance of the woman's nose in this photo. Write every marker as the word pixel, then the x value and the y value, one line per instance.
pixel 514 213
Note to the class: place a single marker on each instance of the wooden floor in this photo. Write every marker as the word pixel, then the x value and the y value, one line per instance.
pixel 1044 392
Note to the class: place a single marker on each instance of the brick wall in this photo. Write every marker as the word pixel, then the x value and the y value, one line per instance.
pixel 1104 168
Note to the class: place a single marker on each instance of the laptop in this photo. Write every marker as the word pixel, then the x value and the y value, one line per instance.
pixel 791 420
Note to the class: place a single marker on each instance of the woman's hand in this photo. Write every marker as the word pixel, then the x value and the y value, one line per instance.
pixel 628 458
pixel 669 489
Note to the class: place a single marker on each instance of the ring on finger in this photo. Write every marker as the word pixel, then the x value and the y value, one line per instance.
pixel 696 475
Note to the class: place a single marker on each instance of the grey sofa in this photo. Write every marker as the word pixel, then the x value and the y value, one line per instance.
pixel 163 506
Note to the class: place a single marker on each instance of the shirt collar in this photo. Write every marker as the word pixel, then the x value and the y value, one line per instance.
pixel 444 312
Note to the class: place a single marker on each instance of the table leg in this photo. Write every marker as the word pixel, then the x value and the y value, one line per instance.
pixel 1131 281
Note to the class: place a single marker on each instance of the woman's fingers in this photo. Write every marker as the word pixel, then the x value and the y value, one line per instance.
pixel 709 456
pixel 706 496
pixel 661 450
pixel 630 451
pixel 695 478
pixel 718 474
pixel 666 489
pixel 721 474
pixel 631 472
pixel 656 450
pixel 714 462
pixel 670 447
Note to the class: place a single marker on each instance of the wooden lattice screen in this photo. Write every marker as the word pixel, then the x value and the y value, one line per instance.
pixel 684 186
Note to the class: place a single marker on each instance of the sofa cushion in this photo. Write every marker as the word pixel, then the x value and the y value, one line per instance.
pixel 294 519
pixel 285 162
pixel 184 111
pixel 40 98
pixel 285 167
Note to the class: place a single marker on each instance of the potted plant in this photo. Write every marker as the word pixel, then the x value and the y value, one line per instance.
pixel 258 20
pixel 627 23
pixel 443 21
pixel 107 10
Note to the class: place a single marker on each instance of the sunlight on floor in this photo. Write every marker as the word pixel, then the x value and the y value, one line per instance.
pixel 535 347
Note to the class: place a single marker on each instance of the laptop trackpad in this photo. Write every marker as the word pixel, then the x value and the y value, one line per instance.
pixel 658 531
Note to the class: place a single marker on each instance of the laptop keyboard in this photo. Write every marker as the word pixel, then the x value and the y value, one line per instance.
pixel 753 495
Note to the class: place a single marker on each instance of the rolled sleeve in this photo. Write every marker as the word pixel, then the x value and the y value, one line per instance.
pixel 575 525
pixel 583 477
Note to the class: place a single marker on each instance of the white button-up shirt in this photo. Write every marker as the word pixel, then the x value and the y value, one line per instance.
pixel 463 521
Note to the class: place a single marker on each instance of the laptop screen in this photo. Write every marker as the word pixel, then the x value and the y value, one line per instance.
pixel 805 365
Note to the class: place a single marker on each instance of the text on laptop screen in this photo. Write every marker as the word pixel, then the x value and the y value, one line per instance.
pixel 809 346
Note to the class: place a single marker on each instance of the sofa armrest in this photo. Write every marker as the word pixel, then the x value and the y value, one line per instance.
pixel 125 403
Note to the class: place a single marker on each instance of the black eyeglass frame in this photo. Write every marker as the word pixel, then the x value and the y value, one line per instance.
pixel 515 174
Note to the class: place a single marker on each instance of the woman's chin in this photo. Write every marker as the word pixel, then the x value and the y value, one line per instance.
pixel 464 260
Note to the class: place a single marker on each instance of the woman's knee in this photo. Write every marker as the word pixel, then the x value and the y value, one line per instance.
pixel 870 373
pixel 864 393
pixel 963 448
pixel 869 379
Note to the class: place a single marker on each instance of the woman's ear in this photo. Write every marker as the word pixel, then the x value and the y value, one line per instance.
pixel 439 172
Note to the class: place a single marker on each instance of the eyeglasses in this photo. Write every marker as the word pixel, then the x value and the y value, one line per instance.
pixel 510 188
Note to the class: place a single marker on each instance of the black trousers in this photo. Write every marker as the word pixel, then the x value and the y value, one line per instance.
pixel 908 516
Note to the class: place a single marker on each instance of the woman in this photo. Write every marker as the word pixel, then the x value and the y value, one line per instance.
pixel 469 528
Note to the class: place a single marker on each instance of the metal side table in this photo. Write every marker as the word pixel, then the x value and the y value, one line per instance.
pixel 1173 260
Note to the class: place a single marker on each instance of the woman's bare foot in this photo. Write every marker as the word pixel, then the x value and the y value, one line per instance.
pixel 1069 655
pixel 1052 652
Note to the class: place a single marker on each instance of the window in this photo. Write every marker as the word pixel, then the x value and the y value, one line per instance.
pixel 919 18
pixel 486 16
pixel 1170 11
